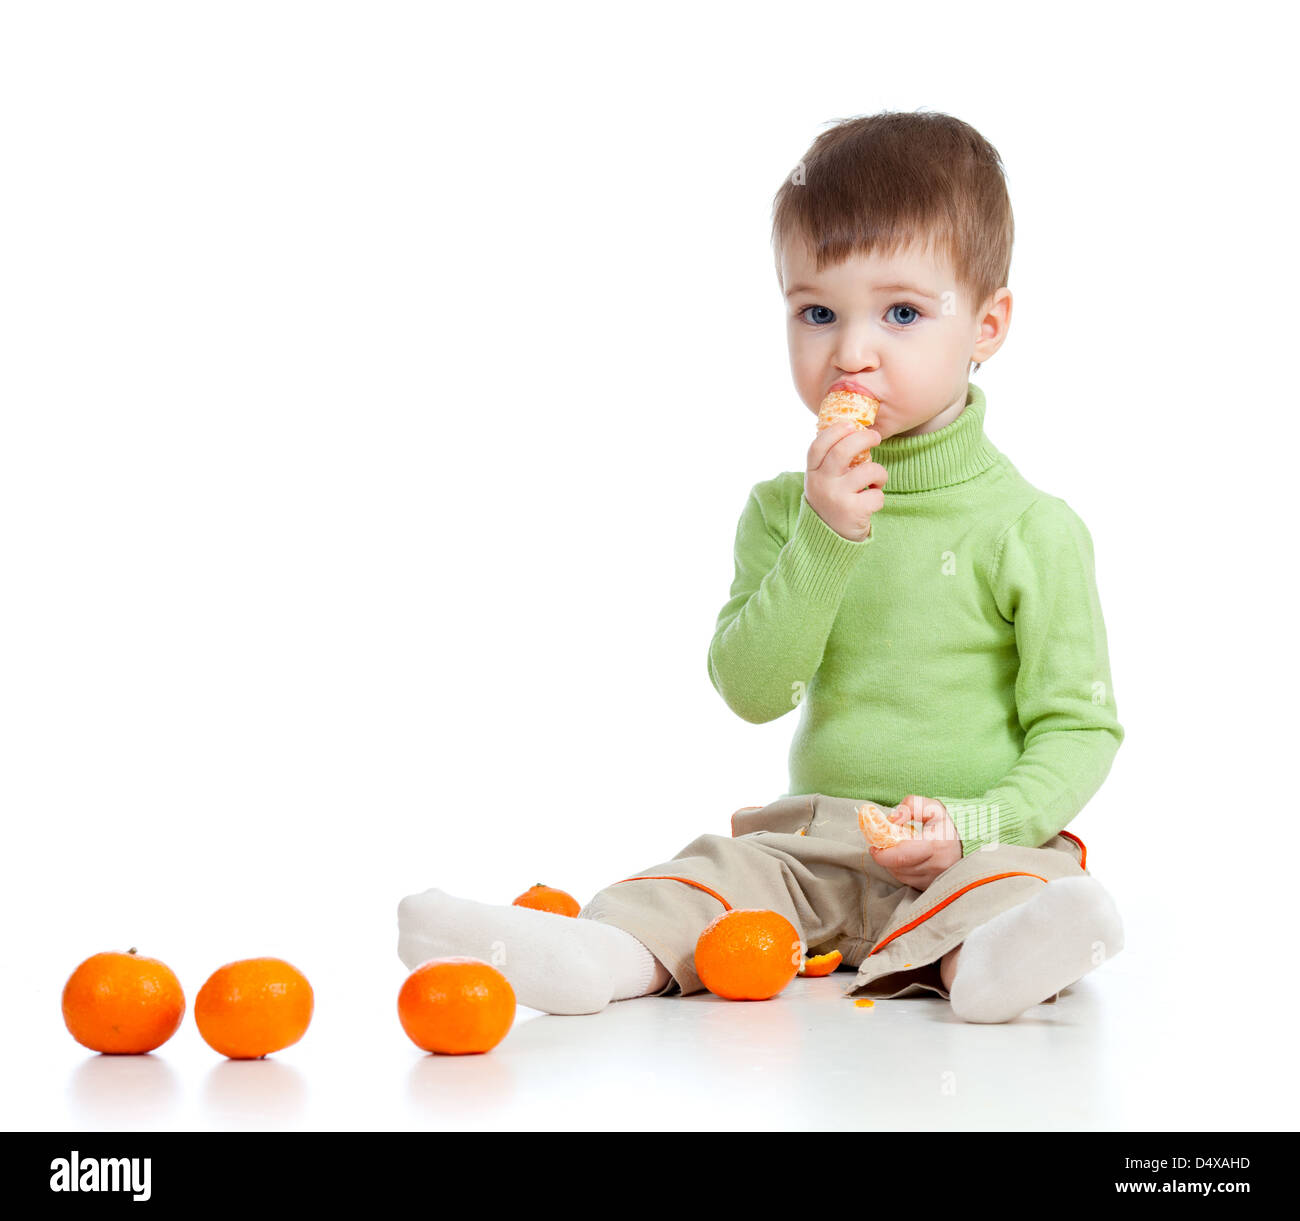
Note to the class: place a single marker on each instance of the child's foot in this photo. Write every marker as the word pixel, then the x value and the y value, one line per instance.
pixel 559 964
pixel 1030 952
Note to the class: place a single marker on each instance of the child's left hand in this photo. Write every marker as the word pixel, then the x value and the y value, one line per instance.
pixel 918 862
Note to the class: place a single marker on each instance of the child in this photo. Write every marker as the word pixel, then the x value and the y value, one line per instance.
pixel 932 614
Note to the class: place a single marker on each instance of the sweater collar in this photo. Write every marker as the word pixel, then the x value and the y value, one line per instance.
pixel 951 454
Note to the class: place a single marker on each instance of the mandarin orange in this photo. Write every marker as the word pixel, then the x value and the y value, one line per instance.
pixel 748 954
pixel 253 1007
pixel 548 899
pixel 456 1006
pixel 122 1004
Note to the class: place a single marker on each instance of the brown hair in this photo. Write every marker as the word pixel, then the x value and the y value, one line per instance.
pixel 882 181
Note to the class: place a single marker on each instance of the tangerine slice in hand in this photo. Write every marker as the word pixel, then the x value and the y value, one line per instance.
pixel 880 832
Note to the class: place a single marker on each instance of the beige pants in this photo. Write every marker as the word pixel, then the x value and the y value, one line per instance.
pixel 806 858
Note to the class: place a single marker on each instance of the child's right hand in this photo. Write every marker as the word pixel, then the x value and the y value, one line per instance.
pixel 843 497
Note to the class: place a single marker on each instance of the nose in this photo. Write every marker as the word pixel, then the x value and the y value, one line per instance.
pixel 857 352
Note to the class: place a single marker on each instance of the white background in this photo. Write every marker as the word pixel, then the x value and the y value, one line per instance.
pixel 382 383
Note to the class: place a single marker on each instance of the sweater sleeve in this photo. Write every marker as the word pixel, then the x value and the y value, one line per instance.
pixel 772 632
pixel 1043 581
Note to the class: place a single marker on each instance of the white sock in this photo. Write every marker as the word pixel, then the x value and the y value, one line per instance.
pixel 1027 954
pixel 559 964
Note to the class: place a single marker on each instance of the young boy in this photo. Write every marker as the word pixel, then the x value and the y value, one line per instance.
pixel 933 615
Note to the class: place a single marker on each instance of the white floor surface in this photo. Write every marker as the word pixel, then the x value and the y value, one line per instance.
pixel 808 1059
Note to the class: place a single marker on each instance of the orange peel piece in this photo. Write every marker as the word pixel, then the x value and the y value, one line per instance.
pixel 847 405
pixel 865 1003
pixel 879 830
pixel 821 964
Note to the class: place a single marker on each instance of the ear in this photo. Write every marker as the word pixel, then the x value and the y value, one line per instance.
pixel 992 324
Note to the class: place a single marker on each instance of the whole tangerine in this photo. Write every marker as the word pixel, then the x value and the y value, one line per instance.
pixel 456 1006
pixel 548 899
pixel 122 1004
pixel 253 1007
pixel 748 954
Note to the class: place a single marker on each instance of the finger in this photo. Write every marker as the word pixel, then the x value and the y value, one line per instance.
pixel 916 805
pixel 826 438
pixel 934 815
pixel 849 446
pixel 904 809
pixel 922 809
pixel 869 475
pixel 908 853
pixel 938 829
pixel 872 501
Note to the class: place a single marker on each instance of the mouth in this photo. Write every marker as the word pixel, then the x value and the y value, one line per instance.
pixel 853 387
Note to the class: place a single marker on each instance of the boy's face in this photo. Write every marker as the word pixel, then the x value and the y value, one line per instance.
pixel 910 347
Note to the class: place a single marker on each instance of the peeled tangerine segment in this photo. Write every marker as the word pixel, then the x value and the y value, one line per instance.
pixel 880 832
pixel 846 405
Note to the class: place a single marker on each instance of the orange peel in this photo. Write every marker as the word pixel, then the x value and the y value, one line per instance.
pixel 821 964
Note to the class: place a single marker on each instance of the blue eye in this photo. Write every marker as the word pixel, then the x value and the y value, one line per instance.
pixel 910 309
pixel 822 322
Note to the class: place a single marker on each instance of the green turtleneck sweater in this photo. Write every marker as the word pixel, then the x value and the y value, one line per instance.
pixel 957 652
